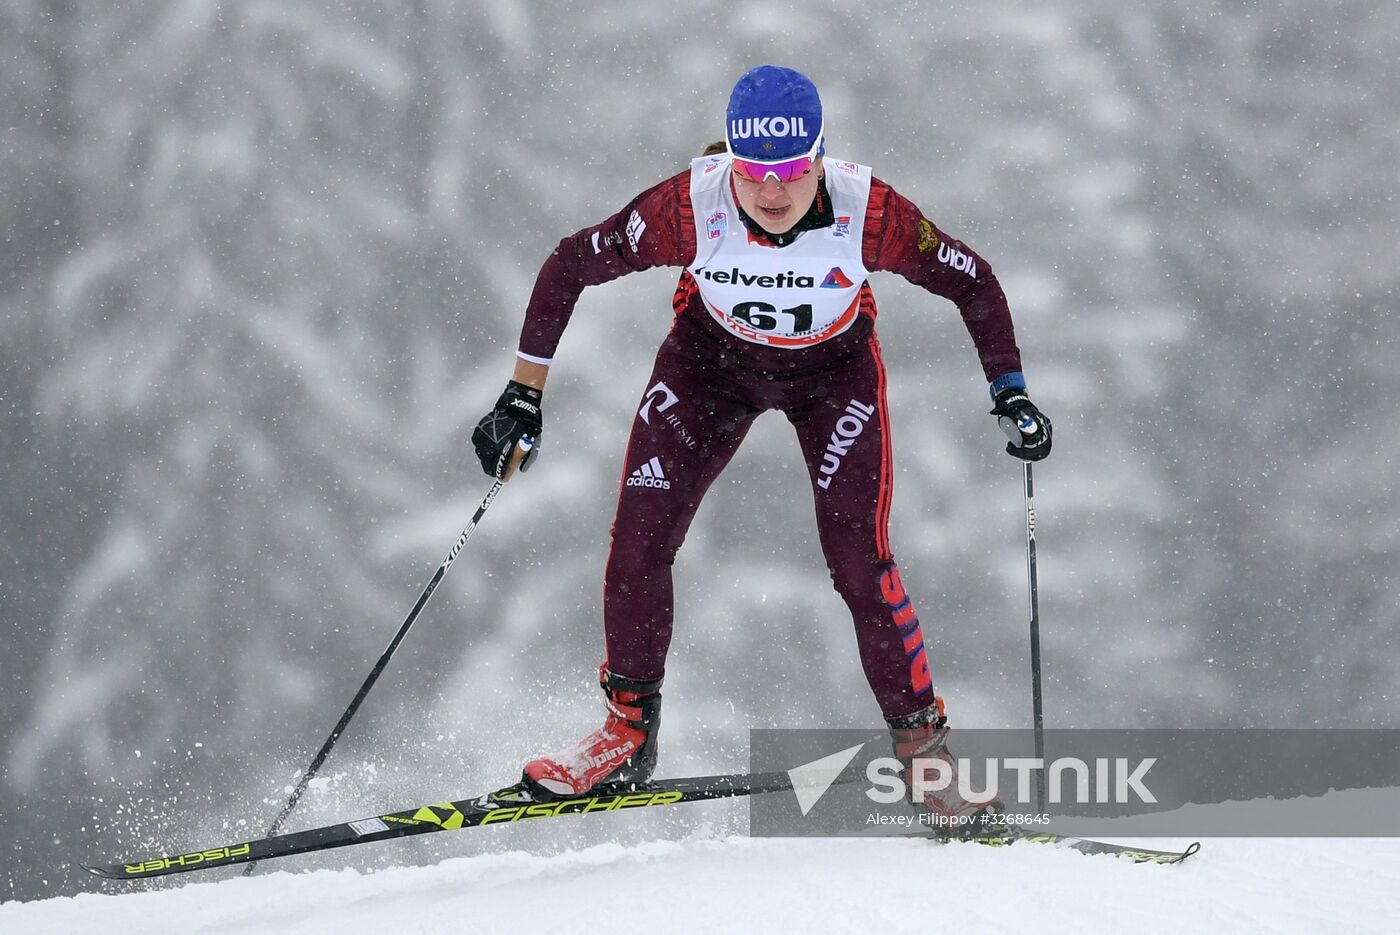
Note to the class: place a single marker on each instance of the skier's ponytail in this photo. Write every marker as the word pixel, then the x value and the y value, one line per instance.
pixel 718 147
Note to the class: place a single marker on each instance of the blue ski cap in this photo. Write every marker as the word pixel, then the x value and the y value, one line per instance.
pixel 774 115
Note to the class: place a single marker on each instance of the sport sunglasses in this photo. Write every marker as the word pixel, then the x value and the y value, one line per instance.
pixel 788 170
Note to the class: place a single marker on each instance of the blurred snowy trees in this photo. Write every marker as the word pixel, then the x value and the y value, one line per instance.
pixel 262 264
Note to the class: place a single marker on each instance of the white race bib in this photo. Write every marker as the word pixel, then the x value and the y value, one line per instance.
pixel 792 296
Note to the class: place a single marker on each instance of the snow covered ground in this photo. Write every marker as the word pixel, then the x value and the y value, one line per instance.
pixel 750 885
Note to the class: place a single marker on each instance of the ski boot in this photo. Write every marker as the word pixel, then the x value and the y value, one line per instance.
pixel 623 750
pixel 946 814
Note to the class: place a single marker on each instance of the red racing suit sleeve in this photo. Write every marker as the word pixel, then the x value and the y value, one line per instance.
pixel 899 239
pixel 657 228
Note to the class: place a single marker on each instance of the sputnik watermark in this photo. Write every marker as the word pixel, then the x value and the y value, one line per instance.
pixel 935 821
pixel 1116 780
pixel 1110 779
pixel 1137 783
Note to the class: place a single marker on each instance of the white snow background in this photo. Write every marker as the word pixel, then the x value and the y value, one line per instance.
pixel 739 884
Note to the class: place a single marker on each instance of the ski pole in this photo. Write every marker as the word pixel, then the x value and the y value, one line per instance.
pixel 1038 713
pixel 522 452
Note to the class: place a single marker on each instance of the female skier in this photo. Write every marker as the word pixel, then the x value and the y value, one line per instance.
pixel 773 311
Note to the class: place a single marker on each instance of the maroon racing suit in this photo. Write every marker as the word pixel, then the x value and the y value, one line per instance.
pixel 708 386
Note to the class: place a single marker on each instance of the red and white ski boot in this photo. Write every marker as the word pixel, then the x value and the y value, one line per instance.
pixel 622 750
pixel 923 735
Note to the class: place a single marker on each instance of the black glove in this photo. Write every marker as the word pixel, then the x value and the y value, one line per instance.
pixel 516 415
pixel 1026 426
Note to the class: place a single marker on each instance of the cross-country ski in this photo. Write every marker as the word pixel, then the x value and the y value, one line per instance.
pixel 514 804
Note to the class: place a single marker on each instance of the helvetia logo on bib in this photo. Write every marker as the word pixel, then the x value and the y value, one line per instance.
pixel 737 277
pixel 649 475
pixel 836 280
